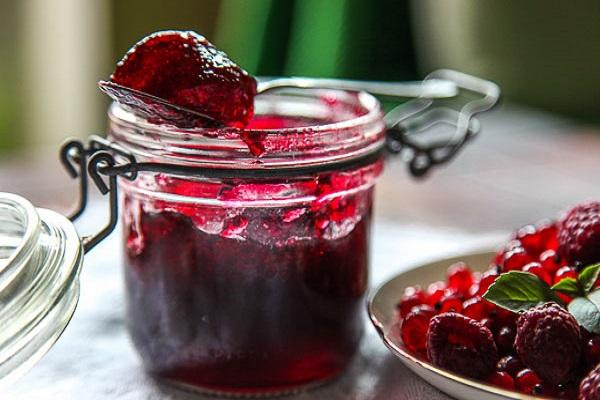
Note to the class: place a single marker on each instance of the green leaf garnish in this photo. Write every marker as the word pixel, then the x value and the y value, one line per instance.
pixel 586 311
pixel 568 286
pixel 518 291
pixel 588 277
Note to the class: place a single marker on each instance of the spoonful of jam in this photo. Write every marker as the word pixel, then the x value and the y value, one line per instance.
pixel 180 78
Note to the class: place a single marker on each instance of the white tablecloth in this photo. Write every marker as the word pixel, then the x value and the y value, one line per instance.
pixel 94 359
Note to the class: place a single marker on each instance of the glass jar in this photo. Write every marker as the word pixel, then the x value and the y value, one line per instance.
pixel 251 278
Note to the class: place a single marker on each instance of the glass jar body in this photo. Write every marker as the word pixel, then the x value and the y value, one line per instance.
pixel 245 285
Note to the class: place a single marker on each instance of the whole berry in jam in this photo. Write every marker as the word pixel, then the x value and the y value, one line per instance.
pixel 589 388
pixel 563 273
pixel 549 341
pixel 537 269
pixel 460 278
pixel 502 380
pixel 579 234
pixel 462 345
pixel 414 328
pixel 184 69
pixel 413 296
pixel 510 364
pixel 527 380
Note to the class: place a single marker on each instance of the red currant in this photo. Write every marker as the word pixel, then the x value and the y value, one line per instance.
pixel 476 308
pixel 564 272
pixel 548 231
pixel 550 261
pixel 435 292
pixel 592 351
pixel 502 380
pixel 413 296
pixel 531 239
pixel 510 364
pixel 460 278
pixel 516 259
pixel 414 328
pixel 487 322
pixel 450 302
pixel 486 281
pixel 499 257
pixel 505 338
pixel 536 269
pixel 526 380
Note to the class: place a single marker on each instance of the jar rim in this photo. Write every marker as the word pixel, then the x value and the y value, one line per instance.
pixel 352 126
pixel 366 100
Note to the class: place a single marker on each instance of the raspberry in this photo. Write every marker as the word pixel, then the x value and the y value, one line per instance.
pixel 414 328
pixel 537 269
pixel 589 388
pixel 510 364
pixel 460 278
pixel 501 379
pixel 462 345
pixel 413 296
pixel 527 380
pixel 184 69
pixel 549 342
pixel 564 272
pixel 579 234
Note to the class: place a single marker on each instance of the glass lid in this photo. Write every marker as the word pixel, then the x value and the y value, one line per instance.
pixel 40 260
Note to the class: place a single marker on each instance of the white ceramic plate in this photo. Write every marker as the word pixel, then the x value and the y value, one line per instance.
pixel 381 309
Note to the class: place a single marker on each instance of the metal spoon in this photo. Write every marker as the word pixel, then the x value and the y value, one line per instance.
pixel 149 106
pixel 432 88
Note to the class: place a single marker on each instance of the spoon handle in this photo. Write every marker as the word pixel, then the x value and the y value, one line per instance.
pixel 431 88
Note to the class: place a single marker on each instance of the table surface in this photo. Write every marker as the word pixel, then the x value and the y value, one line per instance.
pixel 526 165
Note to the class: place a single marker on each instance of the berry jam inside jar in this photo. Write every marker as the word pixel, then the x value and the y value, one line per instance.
pixel 246 272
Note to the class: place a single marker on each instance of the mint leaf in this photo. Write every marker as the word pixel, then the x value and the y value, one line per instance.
pixel 568 286
pixel 588 277
pixel 519 291
pixel 586 311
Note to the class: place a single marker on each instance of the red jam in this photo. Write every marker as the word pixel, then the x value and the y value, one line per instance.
pixel 247 299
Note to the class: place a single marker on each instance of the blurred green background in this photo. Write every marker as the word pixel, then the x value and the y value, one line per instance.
pixel 543 54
